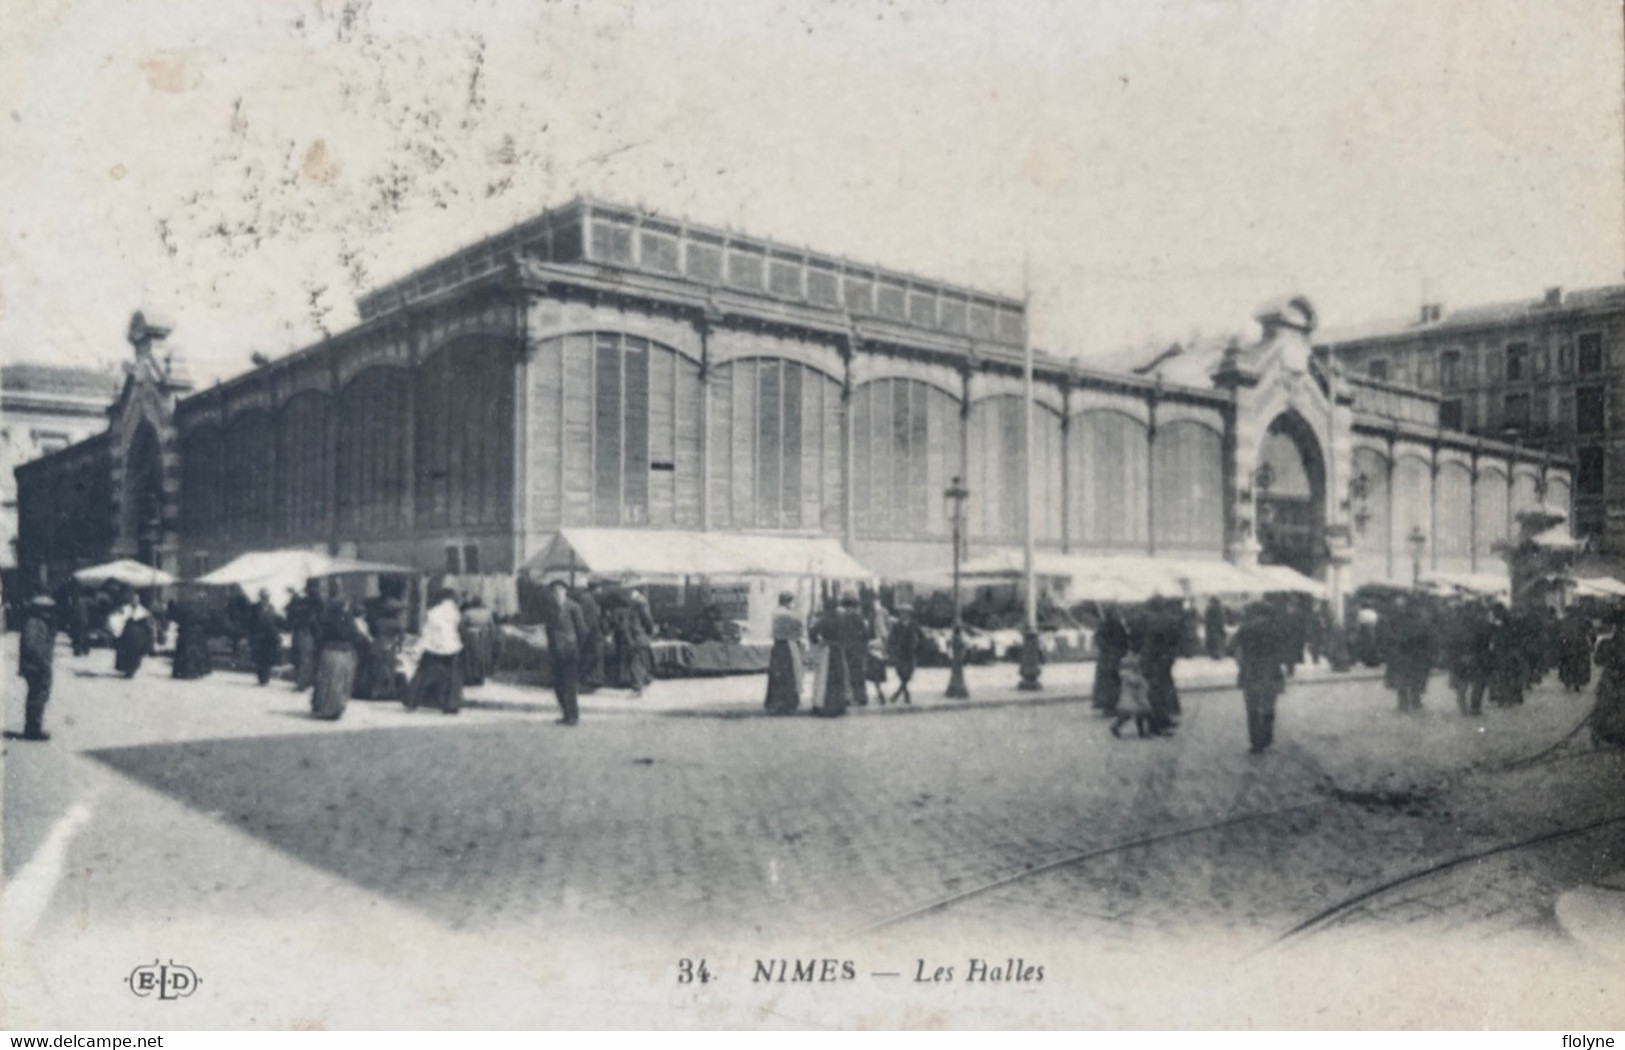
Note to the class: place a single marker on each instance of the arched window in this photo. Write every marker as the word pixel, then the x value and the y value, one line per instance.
pixel 303 465
pixel 1453 513
pixel 464 453
pixel 202 478
pixel 905 448
pixel 1188 498
pixel 1110 487
pixel 775 446
pixel 997 455
pixel 1368 505
pixel 250 474
pixel 614 433
pixel 1490 498
pixel 1413 508
pixel 373 450
pixel 1524 495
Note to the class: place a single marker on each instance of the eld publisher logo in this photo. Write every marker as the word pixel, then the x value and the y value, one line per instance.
pixel 166 981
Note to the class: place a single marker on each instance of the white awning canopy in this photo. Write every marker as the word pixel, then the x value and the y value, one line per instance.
pixel 1138 578
pixel 1599 587
pixel 283 571
pixel 669 553
pixel 125 571
pixel 1557 538
pixel 1488 584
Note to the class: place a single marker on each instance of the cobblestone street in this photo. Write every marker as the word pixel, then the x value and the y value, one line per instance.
pixel 226 830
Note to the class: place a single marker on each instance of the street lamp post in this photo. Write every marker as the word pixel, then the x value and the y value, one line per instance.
pixel 1418 541
pixel 954 500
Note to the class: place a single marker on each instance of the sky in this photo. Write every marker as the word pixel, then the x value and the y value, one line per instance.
pixel 1146 170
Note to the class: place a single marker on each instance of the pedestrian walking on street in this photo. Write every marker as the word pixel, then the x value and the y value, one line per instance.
pixel 1111 645
pixel 903 644
pixel 1406 641
pixel 636 643
pixel 1133 699
pixel 838 630
pixel 784 663
pixel 1513 657
pixel 264 638
pixel 439 678
pixel 302 613
pixel 340 635
pixel 379 676
pixel 78 613
pixel 132 626
pixel 1213 629
pixel 1163 632
pixel 35 654
pixel 1263 649
pixel 479 632
pixel 566 630
pixel 854 648
pixel 592 646
pixel 874 664
pixel 192 658
pixel 1575 641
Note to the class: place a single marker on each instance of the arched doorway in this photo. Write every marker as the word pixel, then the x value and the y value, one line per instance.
pixel 1291 487
pixel 144 493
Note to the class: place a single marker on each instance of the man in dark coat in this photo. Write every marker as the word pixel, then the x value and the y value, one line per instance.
pixel 1111 645
pixel 854 645
pixel 903 644
pixel 1164 628
pixel 1262 648
pixel 1408 647
pixel 302 613
pixel 566 632
pixel 78 611
pixel 1213 629
pixel 36 651
pixel 264 639
pixel 592 646
pixel 192 658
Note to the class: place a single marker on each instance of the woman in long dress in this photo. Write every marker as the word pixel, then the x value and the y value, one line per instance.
pixel 134 638
pixel 1111 645
pixel 379 677
pixel 339 635
pixel 191 658
pixel 784 665
pixel 638 652
pixel 840 629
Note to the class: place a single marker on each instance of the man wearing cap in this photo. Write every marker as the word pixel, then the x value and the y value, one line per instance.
pixel 566 631
pixel 35 653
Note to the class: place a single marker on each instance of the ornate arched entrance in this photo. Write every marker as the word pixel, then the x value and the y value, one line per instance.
pixel 1291 486
pixel 144 493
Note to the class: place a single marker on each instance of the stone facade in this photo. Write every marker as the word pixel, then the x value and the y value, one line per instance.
pixel 601 367
pixel 1546 374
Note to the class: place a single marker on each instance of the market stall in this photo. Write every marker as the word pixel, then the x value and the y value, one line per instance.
pixel 757 566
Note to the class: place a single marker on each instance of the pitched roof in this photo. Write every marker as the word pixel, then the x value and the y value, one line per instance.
pixel 61 380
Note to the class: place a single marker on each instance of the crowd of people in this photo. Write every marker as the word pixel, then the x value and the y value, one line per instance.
pixel 1135 656
pixel 600 636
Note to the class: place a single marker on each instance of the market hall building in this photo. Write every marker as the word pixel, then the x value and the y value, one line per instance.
pixel 605 368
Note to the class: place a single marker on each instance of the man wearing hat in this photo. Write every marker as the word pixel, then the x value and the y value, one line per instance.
pixel 34 665
pixel 566 631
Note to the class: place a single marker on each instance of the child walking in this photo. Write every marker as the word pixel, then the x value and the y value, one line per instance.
pixel 1134 703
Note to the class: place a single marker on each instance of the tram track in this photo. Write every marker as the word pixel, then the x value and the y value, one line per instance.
pixel 1332 797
